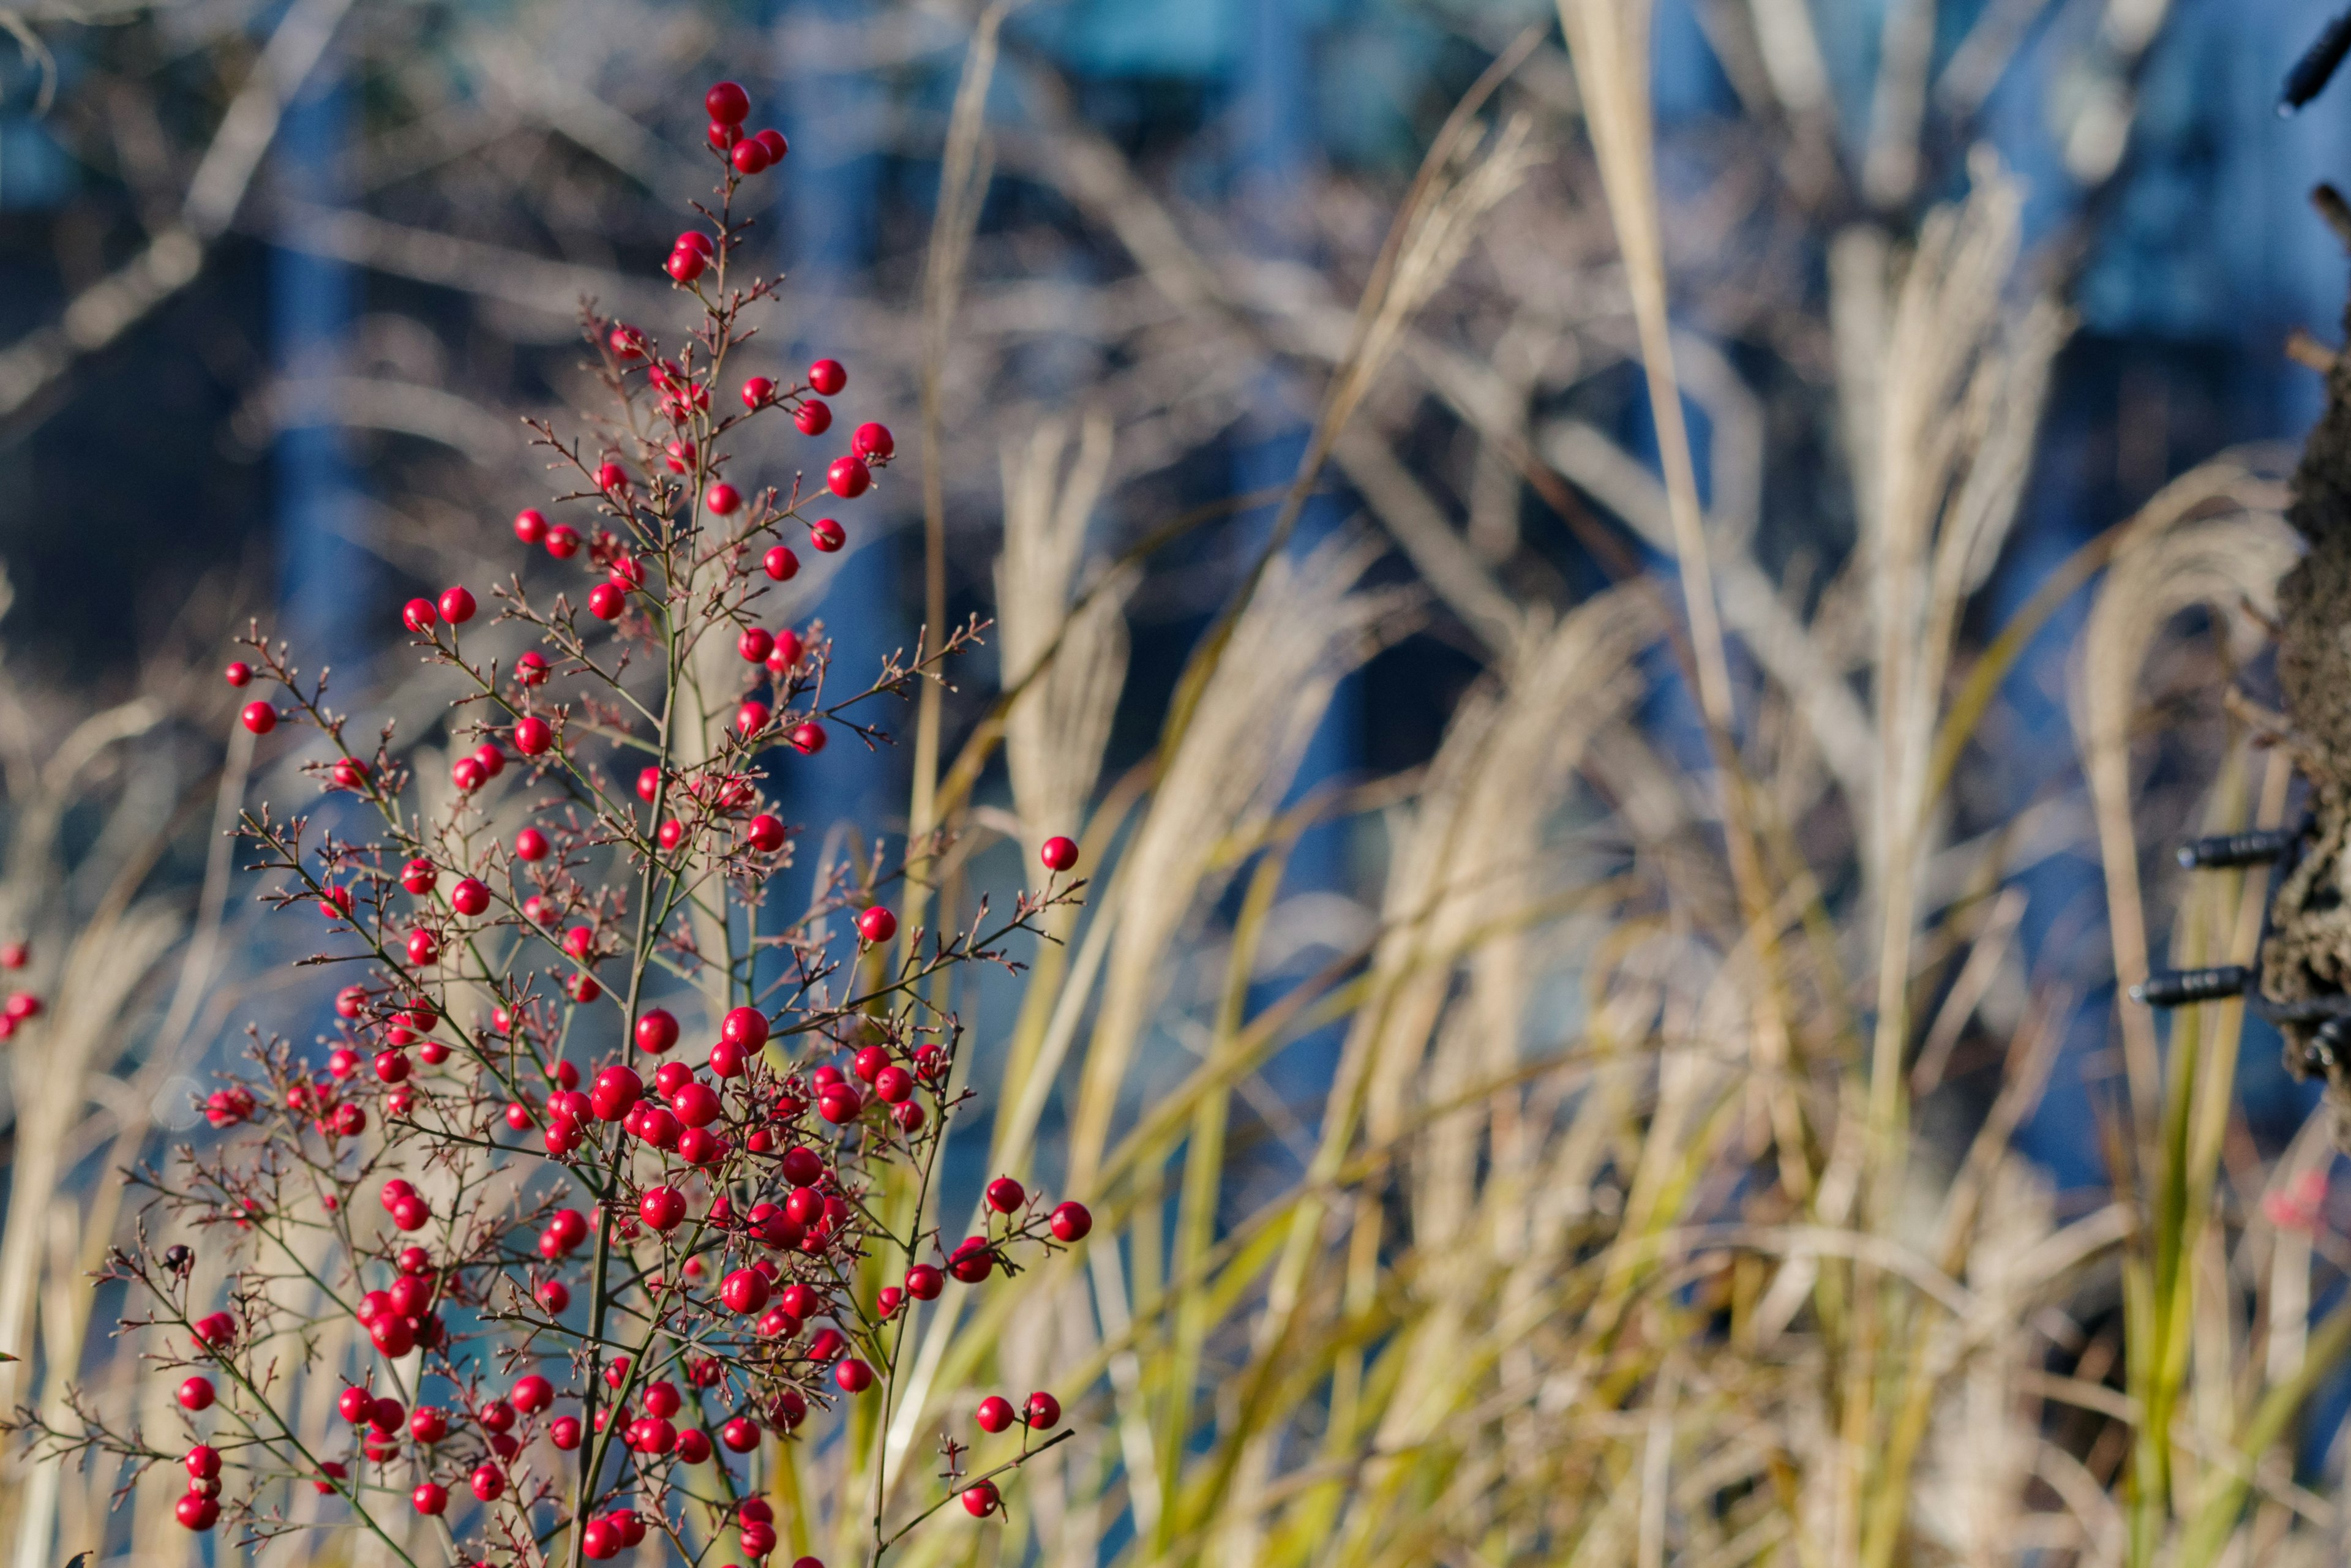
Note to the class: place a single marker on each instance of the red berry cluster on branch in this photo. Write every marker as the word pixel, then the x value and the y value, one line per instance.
pixel 598 1262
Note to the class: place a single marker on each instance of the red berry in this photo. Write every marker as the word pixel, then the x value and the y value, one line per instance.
pixel 827 535
pixel 1071 1222
pixel 428 1424
pixel 469 775
pixel 196 1394
pixel 755 644
pixel 739 1435
pixel 877 924
pixel 532 1394
pixel 840 1105
pixel 746 1027
pixel 924 1283
pixel 752 716
pixel 656 1031
pixel 617 1089
pixel 530 525
pixel 1043 1411
pixel 695 1105
pixel 684 265
pixel 773 140
pixel 430 1497
pixel 418 615
pixel 423 947
pixel 758 391
pixel 814 417
pixel 765 833
pixel 204 1462
pixel 530 844
pixel 828 377
pixel 564 1432
pixel 456 606
pixel 605 601
pixel 259 718
pixel 983 1499
pixel 726 103
pixel 995 1414
pixel 355 1405
pixel 1006 1196
pixel 693 1447
pixel 531 668
pixel 532 735
pixel 1058 854
pixel 745 1290
pixel 393 1067
pixel 874 442
pixel 238 674
pixel 677 456
pixel 627 342
pixel 563 541
pixel 848 478
pixel 782 564
pixel 748 157
pixel 554 1295
pixel 853 1376
pixel 487 1483
pixel 808 738
pixel 196 1512
pixel 723 498
pixel 469 897
pixel 692 239
pixel 661 1208
pixel 612 478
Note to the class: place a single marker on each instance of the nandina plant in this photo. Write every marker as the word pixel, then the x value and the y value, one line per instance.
pixel 595 1285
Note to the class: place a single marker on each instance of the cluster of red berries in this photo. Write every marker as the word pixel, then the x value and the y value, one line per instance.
pixel 199 1509
pixel 551 1221
pixel 19 1007
pixel 729 106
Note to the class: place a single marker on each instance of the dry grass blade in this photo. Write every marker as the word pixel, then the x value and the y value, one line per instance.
pixel 1305 628
pixel 1955 402
pixel 1432 230
pixel 2165 565
pixel 966 169
pixel 1056 729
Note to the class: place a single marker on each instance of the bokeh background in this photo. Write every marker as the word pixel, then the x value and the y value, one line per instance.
pixel 308 409
pixel 279 282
